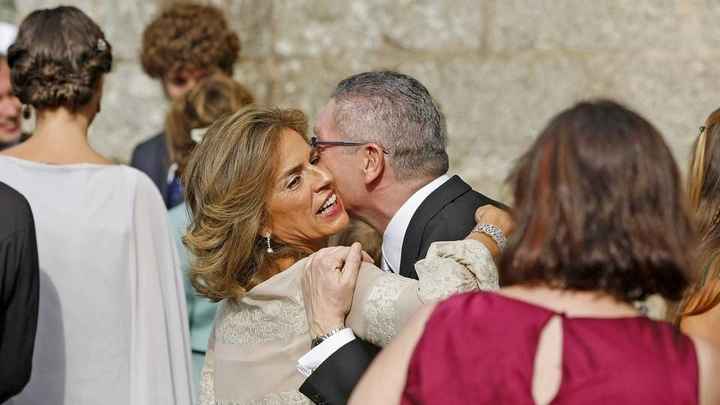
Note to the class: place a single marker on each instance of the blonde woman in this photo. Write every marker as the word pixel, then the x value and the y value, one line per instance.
pixel 261 204
pixel 700 312
pixel 188 119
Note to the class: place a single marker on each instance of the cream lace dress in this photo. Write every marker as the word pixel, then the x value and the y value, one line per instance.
pixel 258 339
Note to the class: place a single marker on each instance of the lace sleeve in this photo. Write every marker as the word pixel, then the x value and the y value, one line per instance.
pixel 207 375
pixel 455 267
pixel 384 302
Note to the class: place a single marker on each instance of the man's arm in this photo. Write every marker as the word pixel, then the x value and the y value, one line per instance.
pixel 333 381
pixel 337 363
pixel 19 275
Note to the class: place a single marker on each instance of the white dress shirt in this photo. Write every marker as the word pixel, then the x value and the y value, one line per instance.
pixel 392 253
pixel 394 234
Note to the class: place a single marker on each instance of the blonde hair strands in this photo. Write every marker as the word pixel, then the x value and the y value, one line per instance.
pixel 228 180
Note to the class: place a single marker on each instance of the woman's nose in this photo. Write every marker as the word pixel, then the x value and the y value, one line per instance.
pixel 323 178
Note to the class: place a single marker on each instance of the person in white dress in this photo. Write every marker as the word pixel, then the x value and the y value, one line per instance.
pixel 111 326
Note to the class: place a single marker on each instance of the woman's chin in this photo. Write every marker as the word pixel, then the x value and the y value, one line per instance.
pixel 339 223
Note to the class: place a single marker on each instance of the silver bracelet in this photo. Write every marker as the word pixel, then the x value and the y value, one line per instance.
pixel 324 337
pixel 494 232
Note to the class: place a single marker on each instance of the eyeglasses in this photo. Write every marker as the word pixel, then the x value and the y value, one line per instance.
pixel 315 144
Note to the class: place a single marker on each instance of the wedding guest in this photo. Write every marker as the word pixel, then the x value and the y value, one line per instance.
pixel 699 311
pixel 601 222
pixel 384 139
pixel 18 291
pixel 188 119
pixel 183 44
pixel 111 323
pixel 261 205
pixel 10 122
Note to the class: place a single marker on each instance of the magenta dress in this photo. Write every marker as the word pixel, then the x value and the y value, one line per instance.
pixel 479 348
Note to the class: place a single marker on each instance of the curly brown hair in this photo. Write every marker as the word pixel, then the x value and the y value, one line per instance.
pixel 58 58
pixel 212 98
pixel 189 36
pixel 228 181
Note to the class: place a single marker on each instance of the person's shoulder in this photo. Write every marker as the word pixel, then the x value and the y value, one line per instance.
pixel 135 180
pixel 15 212
pixel 149 146
pixel 708 359
pixel 458 307
pixel 479 199
pixel 12 200
pixel 152 142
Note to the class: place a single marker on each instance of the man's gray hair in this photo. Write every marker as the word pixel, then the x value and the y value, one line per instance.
pixel 397 112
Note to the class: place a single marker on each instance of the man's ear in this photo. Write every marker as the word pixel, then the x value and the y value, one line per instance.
pixel 373 162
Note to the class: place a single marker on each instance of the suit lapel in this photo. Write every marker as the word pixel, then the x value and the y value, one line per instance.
pixel 434 203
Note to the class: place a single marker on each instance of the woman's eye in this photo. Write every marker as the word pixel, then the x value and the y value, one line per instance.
pixel 314 159
pixel 293 183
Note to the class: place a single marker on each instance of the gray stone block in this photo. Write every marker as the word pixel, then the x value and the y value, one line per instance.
pixel 675 92
pixel 133 109
pixel 122 21
pixel 307 83
pixel 495 107
pixel 252 20
pixel 588 25
pixel 313 28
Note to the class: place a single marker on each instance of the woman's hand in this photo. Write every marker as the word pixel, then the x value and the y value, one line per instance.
pixel 488 214
pixel 328 286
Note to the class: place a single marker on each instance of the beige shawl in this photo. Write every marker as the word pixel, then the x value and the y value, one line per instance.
pixel 257 340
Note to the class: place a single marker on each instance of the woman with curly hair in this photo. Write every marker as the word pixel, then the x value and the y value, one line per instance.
pixel 700 310
pixel 183 44
pixel 185 125
pixel 111 323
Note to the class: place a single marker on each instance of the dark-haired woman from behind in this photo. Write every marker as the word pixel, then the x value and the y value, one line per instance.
pixel 700 310
pixel 600 222
pixel 111 323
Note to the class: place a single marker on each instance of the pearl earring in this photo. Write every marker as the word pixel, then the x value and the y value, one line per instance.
pixel 267 240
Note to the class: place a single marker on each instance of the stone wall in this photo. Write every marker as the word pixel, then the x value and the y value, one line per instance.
pixel 499 68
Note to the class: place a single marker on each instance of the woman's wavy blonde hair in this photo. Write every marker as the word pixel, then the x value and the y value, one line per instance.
pixel 228 181
pixel 704 190
pixel 213 98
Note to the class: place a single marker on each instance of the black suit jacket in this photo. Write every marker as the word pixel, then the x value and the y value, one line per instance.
pixel 447 214
pixel 151 157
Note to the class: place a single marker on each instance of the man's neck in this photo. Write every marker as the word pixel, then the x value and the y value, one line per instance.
pixel 385 200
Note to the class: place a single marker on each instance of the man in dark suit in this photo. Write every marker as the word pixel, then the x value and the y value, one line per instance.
pixel 181 46
pixel 384 139
pixel 19 284
pixel 151 157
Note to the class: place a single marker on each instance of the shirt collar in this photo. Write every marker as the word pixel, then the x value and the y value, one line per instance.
pixel 395 232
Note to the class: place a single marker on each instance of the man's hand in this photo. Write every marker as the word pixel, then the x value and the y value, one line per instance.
pixel 328 286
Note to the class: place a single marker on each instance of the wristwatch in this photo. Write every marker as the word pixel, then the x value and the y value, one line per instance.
pixel 322 338
pixel 494 232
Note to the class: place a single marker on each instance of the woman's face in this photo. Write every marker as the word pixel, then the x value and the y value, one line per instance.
pixel 178 82
pixel 304 208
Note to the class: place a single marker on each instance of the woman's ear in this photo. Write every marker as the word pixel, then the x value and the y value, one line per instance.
pixel 265 230
pixel 373 162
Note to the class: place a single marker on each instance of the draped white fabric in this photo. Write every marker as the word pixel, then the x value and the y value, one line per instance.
pixel 112 325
